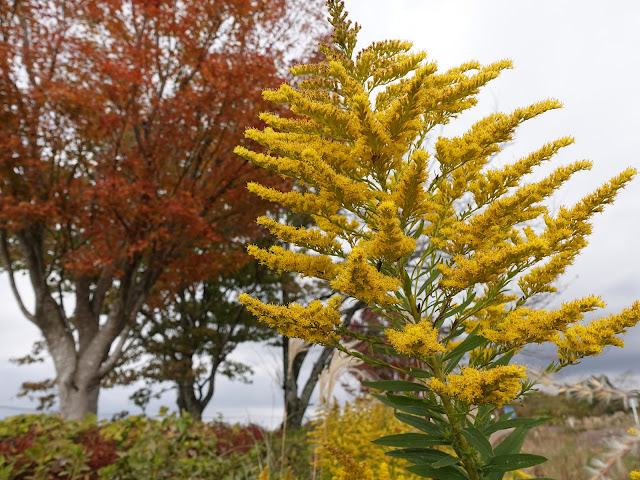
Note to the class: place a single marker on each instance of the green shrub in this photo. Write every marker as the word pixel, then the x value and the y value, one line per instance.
pixel 43 447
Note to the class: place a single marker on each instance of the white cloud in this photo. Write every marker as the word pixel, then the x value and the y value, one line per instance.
pixel 580 52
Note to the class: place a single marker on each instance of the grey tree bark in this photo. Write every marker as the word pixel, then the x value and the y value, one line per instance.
pixel 86 345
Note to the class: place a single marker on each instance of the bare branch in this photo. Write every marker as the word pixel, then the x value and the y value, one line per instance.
pixel 6 258
pixel 117 353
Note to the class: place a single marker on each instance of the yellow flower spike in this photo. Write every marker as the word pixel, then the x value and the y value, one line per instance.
pixel 317 111
pixel 540 279
pixel 283 165
pixel 346 191
pixel 524 326
pixel 278 258
pixel 359 279
pixel 496 386
pixel 496 182
pixel 309 238
pixel 389 243
pixel 295 201
pixel 315 323
pixel 580 341
pixel 419 339
pixel 484 266
pixel 409 194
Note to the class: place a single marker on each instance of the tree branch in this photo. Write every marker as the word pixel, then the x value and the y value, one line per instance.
pixel 6 258
pixel 110 363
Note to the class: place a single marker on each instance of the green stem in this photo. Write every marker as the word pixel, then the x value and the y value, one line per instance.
pixel 460 441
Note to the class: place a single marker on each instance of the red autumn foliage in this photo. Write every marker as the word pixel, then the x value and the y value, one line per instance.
pixel 117 126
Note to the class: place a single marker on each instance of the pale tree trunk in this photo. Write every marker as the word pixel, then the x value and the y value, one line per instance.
pixel 84 347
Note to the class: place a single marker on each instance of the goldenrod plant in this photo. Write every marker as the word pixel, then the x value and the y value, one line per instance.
pixel 451 250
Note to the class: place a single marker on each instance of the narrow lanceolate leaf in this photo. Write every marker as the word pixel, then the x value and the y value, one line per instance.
pixel 445 462
pixel 408 440
pixel 507 463
pixel 409 405
pixel 515 422
pixel 467 301
pixel 397 386
pixel 420 423
pixel 478 441
pixel 445 473
pixel 418 455
pixel 472 341
pixel 513 443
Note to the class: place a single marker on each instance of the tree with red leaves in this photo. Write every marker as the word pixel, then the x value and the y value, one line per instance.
pixel 117 123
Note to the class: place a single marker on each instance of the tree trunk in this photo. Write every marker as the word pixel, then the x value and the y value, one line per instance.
pixel 296 408
pixel 296 404
pixel 187 401
pixel 78 401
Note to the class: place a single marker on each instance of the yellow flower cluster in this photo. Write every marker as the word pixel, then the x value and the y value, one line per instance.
pixel 313 239
pixel 496 386
pixel 634 475
pixel 419 339
pixel 348 431
pixel 524 326
pixel 409 194
pixel 359 279
pixel 486 265
pixel 278 258
pixel 580 341
pixel 315 323
pixel 390 243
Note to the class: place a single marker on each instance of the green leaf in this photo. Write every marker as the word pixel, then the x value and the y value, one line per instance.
pixel 397 386
pixel 420 423
pixel 444 473
pixel 418 372
pixel 507 463
pixel 515 422
pixel 472 341
pixel 417 408
pixel 408 440
pixel 467 301
pixel 445 462
pixel 453 358
pixel 410 405
pixel 504 360
pixel 418 232
pixel 418 455
pixel 435 274
pixel 513 443
pixel 385 350
pixel 478 441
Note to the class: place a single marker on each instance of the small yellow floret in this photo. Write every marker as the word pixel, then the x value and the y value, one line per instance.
pixel 315 323
pixel 278 258
pixel 361 280
pixel 415 339
pixel 390 243
pixel 496 386
pixel 588 340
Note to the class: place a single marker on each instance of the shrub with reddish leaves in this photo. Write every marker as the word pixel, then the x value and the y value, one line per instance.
pixel 44 446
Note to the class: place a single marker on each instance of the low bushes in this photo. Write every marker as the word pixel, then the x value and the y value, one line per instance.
pixel 43 447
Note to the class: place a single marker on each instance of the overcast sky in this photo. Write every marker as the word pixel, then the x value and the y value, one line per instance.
pixel 583 53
